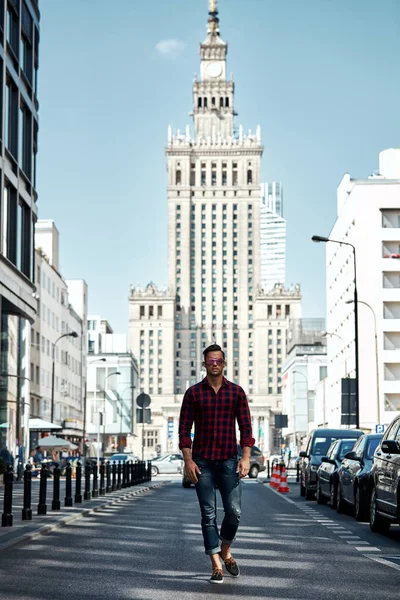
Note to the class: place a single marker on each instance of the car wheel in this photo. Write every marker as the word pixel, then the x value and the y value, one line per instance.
pixel 253 473
pixel 302 490
pixel 339 499
pixel 321 499
pixel 309 494
pixel 377 523
pixel 154 471
pixel 360 512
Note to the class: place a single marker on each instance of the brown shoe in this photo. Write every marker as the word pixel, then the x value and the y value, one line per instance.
pixel 231 566
pixel 217 576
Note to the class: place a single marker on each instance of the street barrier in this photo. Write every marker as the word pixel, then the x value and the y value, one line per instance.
pixel 68 486
pixel 87 494
pixel 42 506
pixel 7 516
pixel 123 475
pixel 27 510
pixel 102 490
pixel 56 504
pixel 95 493
pixel 78 483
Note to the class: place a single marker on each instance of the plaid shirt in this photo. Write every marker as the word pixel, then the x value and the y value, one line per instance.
pixel 214 418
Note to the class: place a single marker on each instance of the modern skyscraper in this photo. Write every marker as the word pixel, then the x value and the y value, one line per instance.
pixel 272 236
pixel 213 258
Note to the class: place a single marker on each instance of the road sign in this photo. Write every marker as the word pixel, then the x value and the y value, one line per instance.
pixel 379 428
pixel 143 400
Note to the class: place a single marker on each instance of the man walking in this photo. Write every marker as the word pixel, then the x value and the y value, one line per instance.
pixel 214 405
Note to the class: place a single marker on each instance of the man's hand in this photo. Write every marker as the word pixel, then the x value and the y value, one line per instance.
pixel 243 467
pixel 192 470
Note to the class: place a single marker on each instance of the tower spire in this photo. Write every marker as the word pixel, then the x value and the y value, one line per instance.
pixel 213 21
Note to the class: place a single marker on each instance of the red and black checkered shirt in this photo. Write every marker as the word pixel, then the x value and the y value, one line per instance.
pixel 214 417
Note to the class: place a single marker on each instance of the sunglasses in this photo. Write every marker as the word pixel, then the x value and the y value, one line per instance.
pixel 217 361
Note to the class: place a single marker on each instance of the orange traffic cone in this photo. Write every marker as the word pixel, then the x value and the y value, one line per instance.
pixel 273 482
pixel 283 486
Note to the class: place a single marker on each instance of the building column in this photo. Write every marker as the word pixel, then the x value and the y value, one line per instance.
pixel 255 429
pixel 164 435
pixel 176 436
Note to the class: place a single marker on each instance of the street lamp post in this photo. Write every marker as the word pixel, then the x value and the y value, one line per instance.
pixel 104 407
pixel 318 238
pixel 376 357
pixel 85 405
pixel 129 387
pixel 72 334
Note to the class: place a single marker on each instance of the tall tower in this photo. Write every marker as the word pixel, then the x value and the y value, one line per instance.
pixel 213 223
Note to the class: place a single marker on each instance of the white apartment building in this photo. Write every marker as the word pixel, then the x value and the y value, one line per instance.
pixel 304 368
pixel 112 388
pixel 272 236
pixel 369 218
pixel 214 292
pixel 57 317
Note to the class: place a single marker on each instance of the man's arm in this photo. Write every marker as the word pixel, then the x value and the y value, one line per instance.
pixel 246 437
pixel 185 441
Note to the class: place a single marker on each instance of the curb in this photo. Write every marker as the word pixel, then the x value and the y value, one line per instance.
pixel 64 521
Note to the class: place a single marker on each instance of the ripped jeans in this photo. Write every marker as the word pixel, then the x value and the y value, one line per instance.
pixel 221 474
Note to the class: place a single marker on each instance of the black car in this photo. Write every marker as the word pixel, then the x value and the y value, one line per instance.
pixel 317 445
pixel 385 480
pixel 354 476
pixel 327 473
pixel 256 465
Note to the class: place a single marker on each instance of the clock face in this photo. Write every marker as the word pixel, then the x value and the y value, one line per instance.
pixel 214 69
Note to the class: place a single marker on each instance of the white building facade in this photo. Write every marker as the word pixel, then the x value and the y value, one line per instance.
pixel 112 388
pixel 369 218
pixel 272 236
pixel 57 317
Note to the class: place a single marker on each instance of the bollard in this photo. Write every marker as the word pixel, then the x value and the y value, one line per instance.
pixel 114 476
pixel 56 504
pixel 68 485
pixel 119 472
pixel 87 495
pixel 268 469
pixel 129 474
pixel 102 490
pixel 78 483
pixel 108 473
pixel 42 506
pixel 124 471
pixel 95 493
pixel 148 478
pixel 27 511
pixel 132 472
pixel 135 471
pixel 7 516
pixel 297 472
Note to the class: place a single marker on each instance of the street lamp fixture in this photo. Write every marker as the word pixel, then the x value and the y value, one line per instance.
pixel 318 238
pixel 376 356
pixel 72 334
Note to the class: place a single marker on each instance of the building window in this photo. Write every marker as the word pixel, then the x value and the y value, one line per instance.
pixel 234 174
pixel 178 176
pixel 159 311
pixel 142 311
pixel 249 177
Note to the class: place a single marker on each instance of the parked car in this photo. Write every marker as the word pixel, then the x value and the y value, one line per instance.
pixel 327 471
pixel 168 463
pixel 354 476
pixel 123 457
pixel 385 480
pixel 317 445
pixel 256 465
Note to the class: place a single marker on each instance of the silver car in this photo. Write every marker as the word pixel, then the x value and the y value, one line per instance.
pixel 168 463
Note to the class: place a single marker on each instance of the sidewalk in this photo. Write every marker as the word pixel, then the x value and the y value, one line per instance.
pixel 24 531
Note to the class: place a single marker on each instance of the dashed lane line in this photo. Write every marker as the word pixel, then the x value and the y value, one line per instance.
pixel 346 536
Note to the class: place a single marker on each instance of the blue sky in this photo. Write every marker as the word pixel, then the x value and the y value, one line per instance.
pixel 320 77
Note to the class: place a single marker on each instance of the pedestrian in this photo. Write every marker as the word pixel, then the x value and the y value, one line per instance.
pixel 214 405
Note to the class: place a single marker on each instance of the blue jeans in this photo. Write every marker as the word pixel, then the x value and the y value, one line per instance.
pixel 221 474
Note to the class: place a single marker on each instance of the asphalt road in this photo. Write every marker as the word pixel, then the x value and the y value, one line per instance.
pixel 151 548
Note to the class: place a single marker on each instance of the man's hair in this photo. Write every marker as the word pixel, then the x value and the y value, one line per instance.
pixel 213 348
